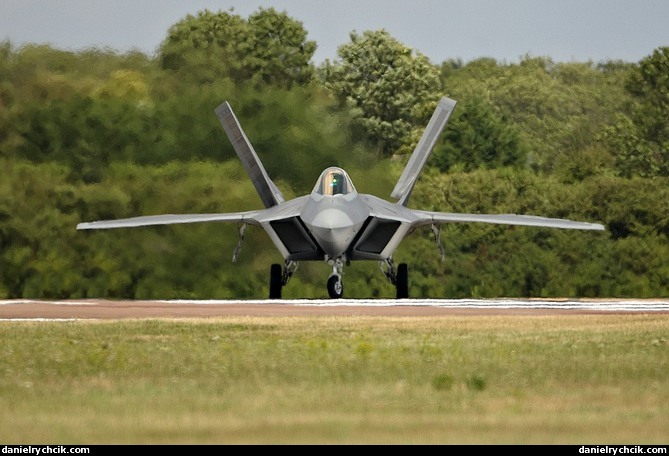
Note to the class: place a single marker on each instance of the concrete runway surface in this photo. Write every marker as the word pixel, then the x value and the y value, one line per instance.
pixel 29 309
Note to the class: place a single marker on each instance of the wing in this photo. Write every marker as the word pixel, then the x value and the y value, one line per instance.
pixel 281 222
pixel 430 218
pixel 389 223
pixel 249 217
pixel 407 180
pixel 268 191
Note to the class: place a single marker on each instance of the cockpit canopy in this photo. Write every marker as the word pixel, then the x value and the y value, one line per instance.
pixel 334 181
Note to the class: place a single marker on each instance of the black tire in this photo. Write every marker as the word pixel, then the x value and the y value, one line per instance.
pixel 402 281
pixel 275 281
pixel 335 287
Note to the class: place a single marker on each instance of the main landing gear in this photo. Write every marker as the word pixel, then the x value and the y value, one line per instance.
pixel 279 276
pixel 399 277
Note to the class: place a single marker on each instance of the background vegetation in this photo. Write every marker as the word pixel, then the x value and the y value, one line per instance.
pixel 96 134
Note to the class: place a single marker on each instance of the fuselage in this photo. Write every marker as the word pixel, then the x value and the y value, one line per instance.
pixel 334 221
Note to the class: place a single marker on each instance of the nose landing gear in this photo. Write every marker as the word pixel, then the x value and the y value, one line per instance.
pixel 335 285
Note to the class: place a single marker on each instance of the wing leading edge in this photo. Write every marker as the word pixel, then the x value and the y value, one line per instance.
pixel 171 219
pixel 390 223
pixel 429 218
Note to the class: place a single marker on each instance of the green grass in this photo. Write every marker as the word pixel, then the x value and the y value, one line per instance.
pixel 591 379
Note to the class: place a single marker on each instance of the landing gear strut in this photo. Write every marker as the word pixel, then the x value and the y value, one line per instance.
pixel 278 277
pixel 399 277
pixel 335 286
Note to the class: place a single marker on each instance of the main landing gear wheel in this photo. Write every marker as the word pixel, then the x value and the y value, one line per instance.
pixel 335 287
pixel 402 281
pixel 278 277
pixel 275 281
pixel 398 277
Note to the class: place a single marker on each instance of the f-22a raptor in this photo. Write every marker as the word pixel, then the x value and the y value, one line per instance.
pixel 335 223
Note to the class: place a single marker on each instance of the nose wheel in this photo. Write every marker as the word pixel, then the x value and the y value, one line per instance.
pixel 335 285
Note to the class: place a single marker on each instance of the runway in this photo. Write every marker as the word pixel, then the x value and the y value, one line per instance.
pixel 36 310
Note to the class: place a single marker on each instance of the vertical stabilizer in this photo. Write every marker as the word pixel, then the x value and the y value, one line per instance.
pixel 423 149
pixel 268 191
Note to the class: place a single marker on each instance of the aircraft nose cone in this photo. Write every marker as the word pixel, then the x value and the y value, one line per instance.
pixel 332 218
pixel 333 229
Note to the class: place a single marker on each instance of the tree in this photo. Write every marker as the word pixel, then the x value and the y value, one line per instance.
pixel 477 137
pixel 391 88
pixel 269 47
pixel 650 84
pixel 640 140
pixel 558 109
pixel 207 41
pixel 280 52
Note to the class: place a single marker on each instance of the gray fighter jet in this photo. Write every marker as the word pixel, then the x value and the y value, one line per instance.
pixel 335 223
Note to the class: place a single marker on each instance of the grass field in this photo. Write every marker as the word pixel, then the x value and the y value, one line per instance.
pixel 568 379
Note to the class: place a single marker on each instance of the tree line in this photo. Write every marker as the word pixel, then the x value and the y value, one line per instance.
pixel 97 134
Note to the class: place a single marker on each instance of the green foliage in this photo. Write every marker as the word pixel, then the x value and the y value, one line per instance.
pixel 390 88
pixel 639 139
pixel 208 38
pixel 558 109
pixel 650 84
pixel 194 260
pixel 280 52
pixel 490 260
pixel 477 137
pixel 95 135
pixel 268 48
pixel 38 245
